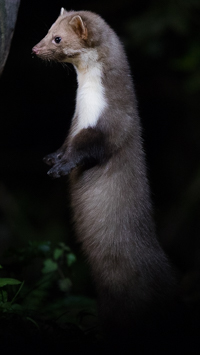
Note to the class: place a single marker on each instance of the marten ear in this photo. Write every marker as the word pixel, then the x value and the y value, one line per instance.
pixel 79 26
pixel 62 11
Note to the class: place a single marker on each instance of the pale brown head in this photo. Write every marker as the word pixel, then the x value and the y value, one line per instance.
pixel 65 40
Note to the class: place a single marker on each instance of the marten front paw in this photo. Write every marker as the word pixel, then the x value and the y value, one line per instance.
pixel 60 169
pixel 53 158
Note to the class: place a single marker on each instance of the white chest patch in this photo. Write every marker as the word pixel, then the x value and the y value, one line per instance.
pixel 90 100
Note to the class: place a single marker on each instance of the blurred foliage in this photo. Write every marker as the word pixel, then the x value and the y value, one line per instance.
pixel 48 274
pixel 170 31
pixel 45 296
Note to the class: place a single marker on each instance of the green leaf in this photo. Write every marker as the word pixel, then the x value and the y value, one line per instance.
pixel 71 259
pixel 49 266
pixel 57 253
pixel 8 281
pixel 1 267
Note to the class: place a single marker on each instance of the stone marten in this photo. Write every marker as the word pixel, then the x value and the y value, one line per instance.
pixel 104 158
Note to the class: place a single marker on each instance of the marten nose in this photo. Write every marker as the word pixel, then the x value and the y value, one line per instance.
pixel 35 50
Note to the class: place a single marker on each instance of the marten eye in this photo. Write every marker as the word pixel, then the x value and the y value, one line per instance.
pixel 57 39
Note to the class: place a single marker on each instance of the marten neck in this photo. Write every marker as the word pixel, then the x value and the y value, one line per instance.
pixel 91 100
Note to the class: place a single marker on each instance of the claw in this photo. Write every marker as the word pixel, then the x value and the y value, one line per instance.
pixel 47 160
pixel 52 173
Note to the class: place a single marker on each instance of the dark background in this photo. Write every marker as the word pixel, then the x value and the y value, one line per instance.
pixel 37 102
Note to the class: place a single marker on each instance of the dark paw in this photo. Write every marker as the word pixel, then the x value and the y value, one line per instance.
pixel 54 173
pixel 61 169
pixel 52 159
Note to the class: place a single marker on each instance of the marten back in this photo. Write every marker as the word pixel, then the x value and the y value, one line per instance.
pixel 104 158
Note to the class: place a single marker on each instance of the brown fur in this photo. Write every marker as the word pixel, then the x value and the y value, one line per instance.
pixel 109 188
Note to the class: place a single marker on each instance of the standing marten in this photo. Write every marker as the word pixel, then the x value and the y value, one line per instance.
pixel 104 159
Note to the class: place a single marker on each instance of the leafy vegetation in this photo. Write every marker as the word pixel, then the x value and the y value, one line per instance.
pixel 46 302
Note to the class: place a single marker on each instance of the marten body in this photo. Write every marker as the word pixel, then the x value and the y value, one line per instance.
pixel 104 158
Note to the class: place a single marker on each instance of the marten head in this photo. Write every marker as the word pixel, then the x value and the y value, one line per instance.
pixel 70 37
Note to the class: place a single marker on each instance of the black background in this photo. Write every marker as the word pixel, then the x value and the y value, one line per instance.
pixel 38 100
